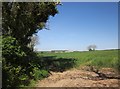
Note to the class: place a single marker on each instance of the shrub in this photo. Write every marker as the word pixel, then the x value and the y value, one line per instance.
pixel 39 74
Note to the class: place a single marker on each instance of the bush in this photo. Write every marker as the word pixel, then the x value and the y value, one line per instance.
pixel 12 56
pixel 19 66
pixel 39 74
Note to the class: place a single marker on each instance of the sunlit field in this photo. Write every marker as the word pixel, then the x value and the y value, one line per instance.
pixel 99 58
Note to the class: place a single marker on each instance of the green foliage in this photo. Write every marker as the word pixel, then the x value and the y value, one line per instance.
pixel 39 74
pixel 20 20
pixel 11 48
pixel 19 67
pixel 12 58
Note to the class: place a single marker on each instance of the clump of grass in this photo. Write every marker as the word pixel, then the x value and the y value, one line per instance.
pixel 102 62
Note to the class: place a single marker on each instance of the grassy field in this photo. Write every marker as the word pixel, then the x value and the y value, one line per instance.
pixel 99 58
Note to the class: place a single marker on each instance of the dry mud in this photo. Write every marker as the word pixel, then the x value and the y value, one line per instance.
pixel 80 78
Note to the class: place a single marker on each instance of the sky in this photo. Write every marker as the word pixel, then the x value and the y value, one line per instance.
pixel 80 24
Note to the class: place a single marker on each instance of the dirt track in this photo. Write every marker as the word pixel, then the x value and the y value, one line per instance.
pixel 76 78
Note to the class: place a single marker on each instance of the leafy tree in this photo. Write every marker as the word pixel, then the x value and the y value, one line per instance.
pixel 91 47
pixel 20 20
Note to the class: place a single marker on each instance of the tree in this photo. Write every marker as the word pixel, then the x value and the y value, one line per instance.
pixel 20 20
pixel 91 47
pixel 34 41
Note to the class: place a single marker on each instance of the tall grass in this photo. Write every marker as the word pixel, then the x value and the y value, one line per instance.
pixel 100 58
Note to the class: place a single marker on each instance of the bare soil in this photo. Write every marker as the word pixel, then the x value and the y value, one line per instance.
pixel 81 78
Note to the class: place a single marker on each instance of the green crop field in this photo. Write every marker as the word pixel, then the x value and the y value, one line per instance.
pixel 99 58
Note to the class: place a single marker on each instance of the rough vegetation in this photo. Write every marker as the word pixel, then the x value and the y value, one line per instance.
pixel 20 20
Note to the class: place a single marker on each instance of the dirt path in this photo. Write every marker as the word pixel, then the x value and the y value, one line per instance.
pixel 76 78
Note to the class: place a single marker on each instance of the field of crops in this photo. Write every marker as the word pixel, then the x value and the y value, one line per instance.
pixel 99 58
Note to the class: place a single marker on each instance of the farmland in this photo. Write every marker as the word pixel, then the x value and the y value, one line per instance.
pixel 94 68
pixel 99 58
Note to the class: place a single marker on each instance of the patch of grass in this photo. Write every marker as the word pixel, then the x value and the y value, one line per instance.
pixel 100 58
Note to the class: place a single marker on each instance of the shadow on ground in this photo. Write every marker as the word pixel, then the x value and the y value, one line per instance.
pixel 52 63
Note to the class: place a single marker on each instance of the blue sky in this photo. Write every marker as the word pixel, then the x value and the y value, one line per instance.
pixel 80 24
